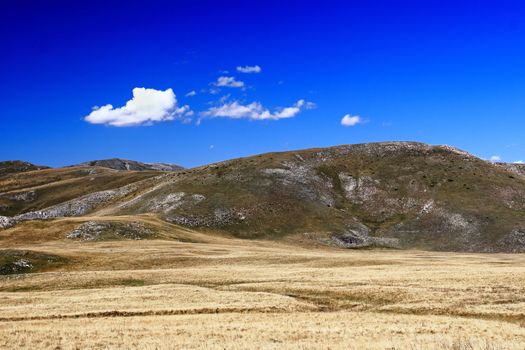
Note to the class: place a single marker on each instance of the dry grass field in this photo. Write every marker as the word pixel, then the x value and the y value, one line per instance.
pixel 191 290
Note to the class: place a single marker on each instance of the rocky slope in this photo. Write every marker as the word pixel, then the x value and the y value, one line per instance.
pixel 397 194
pixel 516 168
pixel 35 194
pixel 130 165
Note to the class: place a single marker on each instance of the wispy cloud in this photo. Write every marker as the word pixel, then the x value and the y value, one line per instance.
pixel 310 105
pixel 147 106
pixel 495 159
pixel 191 93
pixel 224 98
pixel 253 111
pixel 349 120
pixel 519 162
pixel 229 82
pixel 249 69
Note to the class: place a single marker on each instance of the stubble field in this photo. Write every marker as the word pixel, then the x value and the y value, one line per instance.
pixel 218 292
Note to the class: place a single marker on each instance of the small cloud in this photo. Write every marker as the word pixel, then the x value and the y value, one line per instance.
pixel 229 82
pixel 148 106
pixel 191 93
pixel 224 98
pixel 253 111
pixel 249 69
pixel 519 162
pixel 495 159
pixel 212 147
pixel 349 120
pixel 310 105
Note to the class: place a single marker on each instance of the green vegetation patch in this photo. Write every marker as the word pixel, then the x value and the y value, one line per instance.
pixel 26 261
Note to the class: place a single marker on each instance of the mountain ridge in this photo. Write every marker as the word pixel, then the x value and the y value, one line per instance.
pixel 129 165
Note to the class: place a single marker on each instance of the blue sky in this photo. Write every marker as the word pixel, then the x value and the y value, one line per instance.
pixel 442 72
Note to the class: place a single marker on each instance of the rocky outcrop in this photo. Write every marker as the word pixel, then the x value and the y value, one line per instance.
pixel 96 230
pixel 218 219
pixel 513 242
pixel 6 222
pixel 358 236
pixel 304 179
pixel 516 168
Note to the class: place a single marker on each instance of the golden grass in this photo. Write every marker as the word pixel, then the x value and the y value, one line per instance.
pixel 337 330
pixel 226 293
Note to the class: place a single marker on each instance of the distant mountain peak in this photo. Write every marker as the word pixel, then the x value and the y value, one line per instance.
pixel 130 165
pixel 18 166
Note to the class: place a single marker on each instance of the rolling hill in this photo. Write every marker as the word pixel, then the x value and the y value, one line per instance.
pixel 393 194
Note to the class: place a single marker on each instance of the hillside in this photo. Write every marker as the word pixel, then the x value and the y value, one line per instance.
pixel 397 194
pixel 130 165
pixel 17 166
pixel 31 191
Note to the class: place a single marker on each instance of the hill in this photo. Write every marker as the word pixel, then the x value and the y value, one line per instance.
pixel 32 191
pixel 394 194
pixel 130 165
pixel 17 166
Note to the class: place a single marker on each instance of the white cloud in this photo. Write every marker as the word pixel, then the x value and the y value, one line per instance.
pixel 310 105
pixel 224 98
pixel 249 69
pixel 495 159
pixel 519 162
pixel 253 111
pixel 147 106
pixel 349 120
pixel 229 82
pixel 191 93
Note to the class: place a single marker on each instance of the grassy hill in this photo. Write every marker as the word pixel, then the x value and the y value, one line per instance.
pixel 397 194
pixel 39 189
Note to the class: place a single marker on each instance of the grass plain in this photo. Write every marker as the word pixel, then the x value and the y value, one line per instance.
pixel 186 289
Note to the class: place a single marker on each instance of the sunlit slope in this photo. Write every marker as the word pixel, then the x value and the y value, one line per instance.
pixel 398 194
pixel 36 190
pixel 385 194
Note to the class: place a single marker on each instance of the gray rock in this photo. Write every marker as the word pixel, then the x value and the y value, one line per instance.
pixel 358 236
pixel 95 230
pixel 6 222
pixel 513 242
